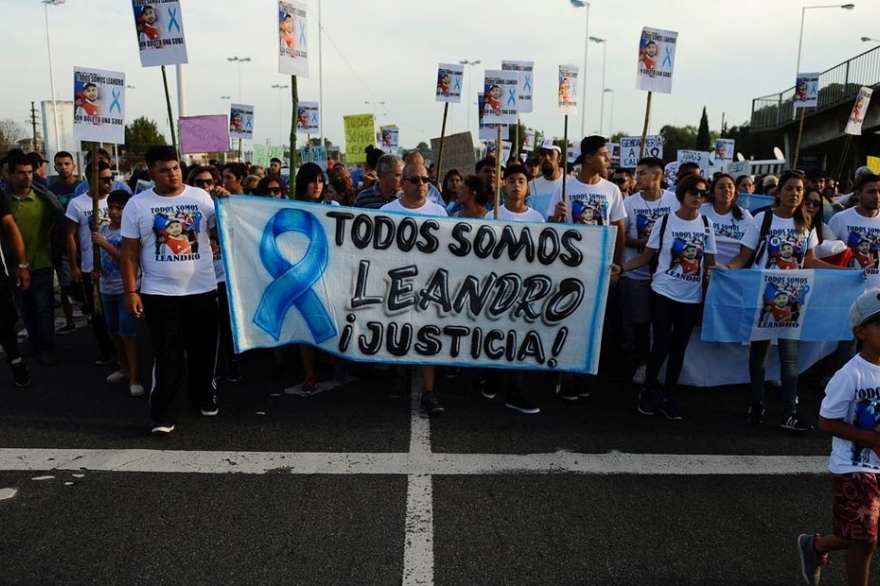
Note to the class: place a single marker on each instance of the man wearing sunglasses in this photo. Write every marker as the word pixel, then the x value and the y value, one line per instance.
pixel 80 226
pixel 623 179
pixel 103 157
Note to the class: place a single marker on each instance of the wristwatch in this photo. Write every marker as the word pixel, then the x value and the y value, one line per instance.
pixel 23 266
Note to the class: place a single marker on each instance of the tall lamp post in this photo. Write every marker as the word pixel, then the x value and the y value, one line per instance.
pixel 801 36
pixel 46 4
pixel 583 4
pixel 611 116
pixel 467 102
pixel 602 102
pixel 239 60
pixel 280 115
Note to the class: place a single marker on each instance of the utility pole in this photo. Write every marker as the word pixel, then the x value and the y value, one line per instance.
pixel 34 126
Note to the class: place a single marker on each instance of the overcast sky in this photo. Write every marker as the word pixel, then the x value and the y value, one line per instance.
pixel 387 51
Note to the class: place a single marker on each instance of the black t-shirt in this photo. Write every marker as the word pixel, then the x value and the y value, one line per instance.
pixel 63 192
pixel 5 246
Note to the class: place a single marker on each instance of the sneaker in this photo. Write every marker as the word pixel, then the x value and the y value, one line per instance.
pixel 669 408
pixel 105 359
pixel 756 414
pixel 793 423
pixel 646 402
pixel 66 329
pixel 309 384
pixel 431 404
pixel 233 372
pixel 519 402
pixel 20 374
pixel 209 407
pixel 811 561
pixel 136 390
pixel 117 377
pixel 398 387
pixel 48 358
pixel 162 428
pixel 567 392
pixel 489 391
pixel 639 376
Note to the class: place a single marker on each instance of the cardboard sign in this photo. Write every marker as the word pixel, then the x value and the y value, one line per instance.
pixel 525 70
pixel 631 146
pixel 449 78
pixel 241 121
pixel 293 41
pixel 99 105
pixel 263 154
pixel 737 168
pixel 159 29
pixel 656 60
pixel 359 132
pixel 529 140
pixel 204 134
pixel 458 152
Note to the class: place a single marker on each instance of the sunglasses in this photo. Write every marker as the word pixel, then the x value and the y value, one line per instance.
pixel 415 180
pixel 105 179
pixel 620 180
pixel 275 190
pixel 814 203
pixel 203 182
pixel 698 192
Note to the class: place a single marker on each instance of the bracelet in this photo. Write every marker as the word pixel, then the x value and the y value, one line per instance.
pixel 23 265
pixel 131 293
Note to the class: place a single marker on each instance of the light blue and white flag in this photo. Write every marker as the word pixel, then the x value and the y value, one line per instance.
pixel 809 305
pixel 385 287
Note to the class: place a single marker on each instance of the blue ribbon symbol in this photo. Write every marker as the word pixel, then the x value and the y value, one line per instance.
pixel 302 32
pixel 511 96
pixel 172 19
pixel 456 85
pixel 293 281
pixel 314 121
pixel 115 103
pixel 667 60
pixel 527 82
pixel 248 122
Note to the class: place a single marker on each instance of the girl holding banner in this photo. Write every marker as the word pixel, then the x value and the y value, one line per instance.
pixel 680 250
pixel 782 240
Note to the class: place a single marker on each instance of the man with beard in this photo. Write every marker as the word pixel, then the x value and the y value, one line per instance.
pixel 542 188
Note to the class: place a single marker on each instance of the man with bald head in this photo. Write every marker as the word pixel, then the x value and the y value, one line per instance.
pixel 417 158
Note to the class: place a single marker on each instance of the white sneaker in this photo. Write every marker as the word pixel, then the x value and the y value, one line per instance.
pixel 136 390
pixel 117 377
pixel 639 376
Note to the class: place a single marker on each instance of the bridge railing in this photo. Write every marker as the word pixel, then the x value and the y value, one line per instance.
pixel 840 83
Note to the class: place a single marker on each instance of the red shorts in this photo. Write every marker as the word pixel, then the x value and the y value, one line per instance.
pixel 856 506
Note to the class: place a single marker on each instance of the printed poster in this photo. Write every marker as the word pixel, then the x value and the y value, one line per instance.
pixel 631 146
pixel 293 43
pixel 308 120
pixel 241 121
pixel 525 70
pixel 701 158
pixel 529 140
pixel 724 151
pixel 857 116
pixel 98 105
pixel 359 132
pixel 488 131
pixel 567 89
pixel 449 78
pixel 656 60
pixel 500 101
pixel 389 138
pixel 806 90
pixel 159 28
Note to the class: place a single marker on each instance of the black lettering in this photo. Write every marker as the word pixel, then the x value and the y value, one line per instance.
pixel 362 231
pixel 470 293
pixel 374 344
pixel 489 349
pixel 556 308
pixel 484 242
pixel 461 247
pixel 515 246
pixel 384 236
pixel 399 346
pixel 548 236
pixel 531 346
pixel 507 290
pixel 572 257
pixel 510 347
pixel 428 343
pixel 399 297
pixel 407 234
pixel 360 299
pixel 436 291
pixel 534 288
pixel 456 333
pixel 431 243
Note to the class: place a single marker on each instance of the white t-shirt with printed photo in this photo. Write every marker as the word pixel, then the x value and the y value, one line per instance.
pixel 860 234
pixel 428 209
pixel 853 395
pixel 642 217
pixel 729 231
pixel 176 257
pixel 599 204
pixel 505 214
pixel 681 263
pixel 79 211
pixel 786 246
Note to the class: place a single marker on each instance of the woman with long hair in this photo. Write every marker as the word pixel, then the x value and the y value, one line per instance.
pixel 339 188
pixel 473 197
pixel 269 186
pixel 451 186
pixel 729 220
pixel 745 184
pixel 310 184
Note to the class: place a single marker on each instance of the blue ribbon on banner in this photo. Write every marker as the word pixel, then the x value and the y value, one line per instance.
pixel 115 103
pixel 667 60
pixel 511 96
pixel 527 83
pixel 172 19
pixel 293 281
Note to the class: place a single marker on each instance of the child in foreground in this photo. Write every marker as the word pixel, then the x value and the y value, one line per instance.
pixel 851 413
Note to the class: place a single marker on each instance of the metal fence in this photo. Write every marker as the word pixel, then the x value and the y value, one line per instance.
pixel 838 84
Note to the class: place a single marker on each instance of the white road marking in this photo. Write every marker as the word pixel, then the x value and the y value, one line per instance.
pixel 418 544
pixel 7 493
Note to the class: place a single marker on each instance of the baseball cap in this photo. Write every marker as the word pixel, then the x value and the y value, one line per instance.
pixel 866 308
pixel 548 145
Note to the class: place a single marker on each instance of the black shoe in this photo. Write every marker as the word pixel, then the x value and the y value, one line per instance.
pixel 66 329
pixel 756 414
pixel 20 374
pixel 233 372
pixel 105 359
pixel 209 408
pixel 794 423
pixel 669 408
pixel 162 428
pixel 519 402
pixel 646 402
pixel 399 387
pixel 431 404
pixel 567 392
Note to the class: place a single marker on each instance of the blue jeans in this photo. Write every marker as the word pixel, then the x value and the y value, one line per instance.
pixel 38 311
pixel 788 350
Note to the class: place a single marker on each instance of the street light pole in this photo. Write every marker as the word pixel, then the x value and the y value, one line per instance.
pixel 582 4
pixel 46 4
pixel 801 36
pixel 467 102
pixel 611 116
pixel 280 115
pixel 239 60
pixel 602 102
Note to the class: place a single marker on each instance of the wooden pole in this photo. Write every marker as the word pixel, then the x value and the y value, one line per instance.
pixel 95 193
pixel 294 101
pixel 565 158
pixel 170 114
pixel 843 156
pixel 515 149
pixel 442 140
pixel 797 146
pixel 645 129
pixel 497 172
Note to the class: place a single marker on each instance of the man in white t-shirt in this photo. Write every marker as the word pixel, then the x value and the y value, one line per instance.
pixel 541 189
pixel 859 226
pixel 178 295
pixel 80 252
pixel 414 202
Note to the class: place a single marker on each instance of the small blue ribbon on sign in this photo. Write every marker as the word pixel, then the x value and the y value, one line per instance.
pixel 293 281
pixel 667 60
pixel 115 103
pixel 456 86
pixel 511 96
pixel 248 122
pixel 302 32
pixel 527 82
pixel 314 121
pixel 172 19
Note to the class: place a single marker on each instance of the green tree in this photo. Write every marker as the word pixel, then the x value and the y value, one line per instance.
pixel 703 141
pixel 10 133
pixel 675 138
pixel 139 135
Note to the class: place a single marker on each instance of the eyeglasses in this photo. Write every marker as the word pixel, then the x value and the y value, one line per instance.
pixel 814 203
pixel 203 182
pixel 698 192
pixel 620 180
pixel 275 190
pixel 105 179
pixel 415 180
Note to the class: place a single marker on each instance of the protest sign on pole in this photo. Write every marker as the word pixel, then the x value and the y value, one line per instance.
pixel 204 134
pixel 315 154
pixel 241 121
pixel 389 138
pixel 631 149
pixel 159 28
pixel 459 152
pixel 613 151
pixel 567 89
pixel 724 150
pixel 525 71
pixel 308 119
pixel 806 90
pixel 293 42
pixel 738 168
pixel 857 116
pixel 263 154
pixel 99 105
pixel 487 130
pixel 500 102
pixel 359 132
pixel 449 78
pixel 529 140
pixel 385 287
pixel 701 158
pixel 656 60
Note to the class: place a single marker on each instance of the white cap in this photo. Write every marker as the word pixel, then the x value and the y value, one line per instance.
pixel 548 145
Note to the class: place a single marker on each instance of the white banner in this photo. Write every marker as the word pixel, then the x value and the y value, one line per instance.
pixel 701 158
pixel 308 120
pixel 525 70
pixel 500 102
pixel 806 90
pixel 99 105
pixel 293 41
pixel 738 168
pixel 377 287
pixel 159 28
pixel 857 116
pixel 631 146
pixel 567 89
pixel 241 121
pixel 656 60
pixel 449 78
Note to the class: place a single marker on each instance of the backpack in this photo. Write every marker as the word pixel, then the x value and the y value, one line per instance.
pixel 762 239
pixel 655 260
